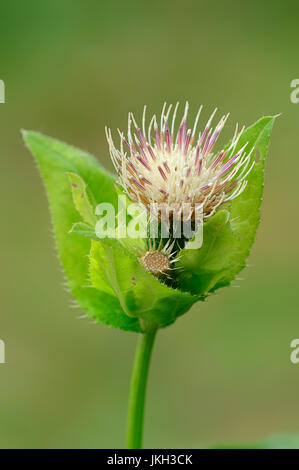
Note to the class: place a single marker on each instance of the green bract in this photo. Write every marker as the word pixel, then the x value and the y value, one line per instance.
pixel 229 235
pixel 105 275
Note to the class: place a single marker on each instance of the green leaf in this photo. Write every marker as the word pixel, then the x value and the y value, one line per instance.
pixel 229 234
pixel 128 246
pixel 81 199
pixel 141 294
pixel 55 159
pixel 204 267
pixel 84 229
pixel 135 245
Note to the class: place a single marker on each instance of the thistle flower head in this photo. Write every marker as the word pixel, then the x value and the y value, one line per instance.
pixel 155 262
pixel 176 166
pixel 158 260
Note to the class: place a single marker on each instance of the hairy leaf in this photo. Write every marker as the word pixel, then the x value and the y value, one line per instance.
pixel 229 234
pixel 55 159
pixel 81 200
pixel 141 294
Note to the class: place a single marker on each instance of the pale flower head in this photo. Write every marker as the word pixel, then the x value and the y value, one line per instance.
pixel 161 165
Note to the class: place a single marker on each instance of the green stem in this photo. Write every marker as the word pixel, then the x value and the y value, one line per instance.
pixel 138 389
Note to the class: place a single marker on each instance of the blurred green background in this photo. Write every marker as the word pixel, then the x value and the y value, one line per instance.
pixel 221 373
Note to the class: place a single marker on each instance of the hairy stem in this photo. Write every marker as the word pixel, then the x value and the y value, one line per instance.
pixel 138 389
